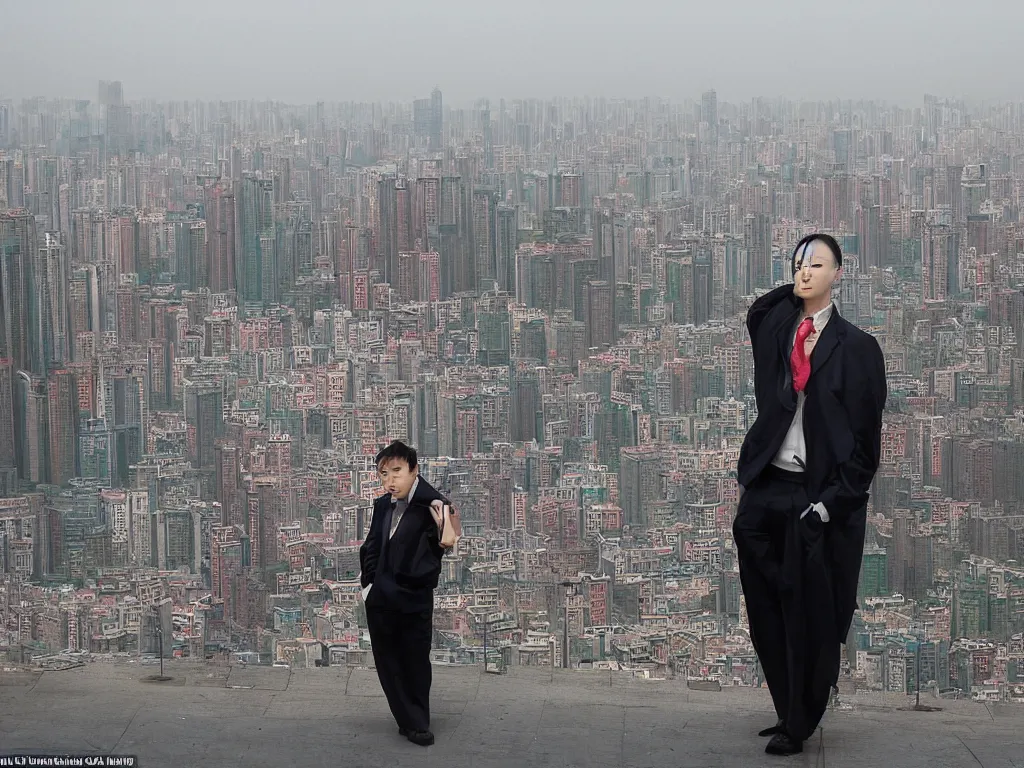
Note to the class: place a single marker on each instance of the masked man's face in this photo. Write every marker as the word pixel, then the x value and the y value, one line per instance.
pixel 814 271
pixel 397 478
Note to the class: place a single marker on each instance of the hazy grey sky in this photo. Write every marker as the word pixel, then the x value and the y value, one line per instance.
pixel 305 50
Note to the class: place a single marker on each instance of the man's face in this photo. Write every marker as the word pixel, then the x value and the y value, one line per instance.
pixel 814 271
pixel 396 477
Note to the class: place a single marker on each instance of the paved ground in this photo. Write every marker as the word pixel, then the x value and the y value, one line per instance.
pixel 216 716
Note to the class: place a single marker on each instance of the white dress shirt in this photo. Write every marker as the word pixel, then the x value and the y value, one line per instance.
pixel 792 455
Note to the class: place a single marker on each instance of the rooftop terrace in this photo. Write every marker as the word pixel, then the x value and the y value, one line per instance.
pixel 244 716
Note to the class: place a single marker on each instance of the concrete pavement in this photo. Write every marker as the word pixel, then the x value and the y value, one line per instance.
pixel 235 716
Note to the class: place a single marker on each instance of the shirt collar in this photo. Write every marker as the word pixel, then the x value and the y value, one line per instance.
pixel 820 319
pixel 412 492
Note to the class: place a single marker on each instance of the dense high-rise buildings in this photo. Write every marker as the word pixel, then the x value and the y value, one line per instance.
pixel 212 315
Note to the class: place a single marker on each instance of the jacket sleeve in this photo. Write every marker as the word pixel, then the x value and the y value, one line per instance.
pixel 369 552
pixel 434 541
pixel 760 309
pixel 851 482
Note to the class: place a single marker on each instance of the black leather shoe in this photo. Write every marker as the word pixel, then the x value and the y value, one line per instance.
pixel 783 744
pixel 779 727
pixel 422 738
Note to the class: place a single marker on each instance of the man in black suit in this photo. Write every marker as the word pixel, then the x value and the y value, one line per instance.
pixel 401 563
pixel 804 472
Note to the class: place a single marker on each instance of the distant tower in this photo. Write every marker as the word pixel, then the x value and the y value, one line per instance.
pixel 485 122
pixel 111 93
pixel 117 116
pixel 33 460
pixel 5 126
pixel 221 247
pixel 757 237
pixel 256 282
pixel 506 244
pixel 62 393
pixel 8 446
pixel 599 315
pixel 52 277
pixel 204 423
pixel 436 121
pixel 18 255
pixel 709 112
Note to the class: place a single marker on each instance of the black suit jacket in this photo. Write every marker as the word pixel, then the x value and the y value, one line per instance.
pixel 404 569
pixel 845 396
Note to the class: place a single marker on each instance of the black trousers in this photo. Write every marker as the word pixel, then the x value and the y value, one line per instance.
pixel 787 582
pixel 401 650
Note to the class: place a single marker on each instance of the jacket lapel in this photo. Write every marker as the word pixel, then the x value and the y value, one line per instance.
pixel 784 337
pixel 830 338
pixel 388 516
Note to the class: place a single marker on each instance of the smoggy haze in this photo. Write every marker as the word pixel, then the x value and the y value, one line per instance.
pixel 303 51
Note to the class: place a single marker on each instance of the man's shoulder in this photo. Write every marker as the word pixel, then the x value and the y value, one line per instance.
pixel 858 337
pixel 425 491
pixel 862 347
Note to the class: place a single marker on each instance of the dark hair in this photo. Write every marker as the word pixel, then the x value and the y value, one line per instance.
pixel 828 240
pixel 397 450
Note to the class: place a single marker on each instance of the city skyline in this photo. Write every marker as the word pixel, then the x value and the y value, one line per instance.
pixel 213 314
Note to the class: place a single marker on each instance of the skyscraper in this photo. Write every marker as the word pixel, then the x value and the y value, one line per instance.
pixel 257 281
pixel 757 236
pixel 599 320
pixel 124 404
pixel 640 472
pixel 388 218
pixel 506 243
pixel 52 300
pixel 485 125
pixel 62 389
pixel 8 446
pixel 525 401
pixel 427 120
pixel 436 121
pixel 5 125
pixel 34 417
pixel 483 229
pixel 709 112
pixel 204 422
pixel 110 93
pixel 17 248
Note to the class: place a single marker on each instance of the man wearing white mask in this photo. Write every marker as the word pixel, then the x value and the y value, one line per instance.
pixel 805 470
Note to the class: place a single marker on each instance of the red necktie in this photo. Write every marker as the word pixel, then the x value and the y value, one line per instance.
pixel 798 360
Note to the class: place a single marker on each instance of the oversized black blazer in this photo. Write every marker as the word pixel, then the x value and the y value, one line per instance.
pixel 404 569
pixel 845 397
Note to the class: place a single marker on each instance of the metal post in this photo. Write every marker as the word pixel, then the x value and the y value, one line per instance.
pixel 486 622
pixel 160 636
pixel 565 635
pixel 917 703
pixel 885 668
pixel 569 587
